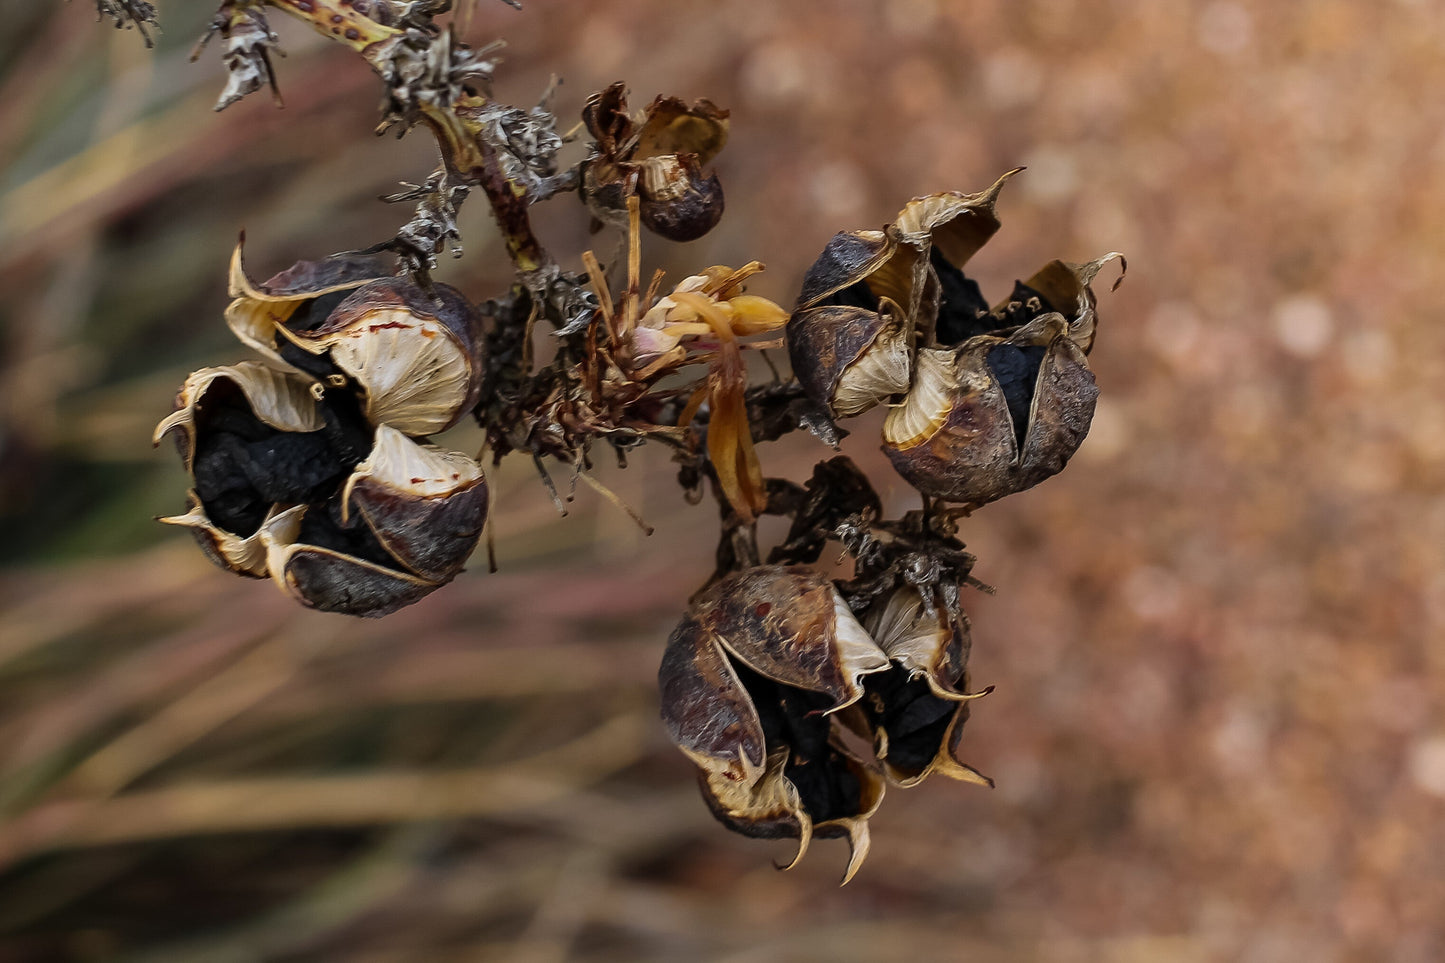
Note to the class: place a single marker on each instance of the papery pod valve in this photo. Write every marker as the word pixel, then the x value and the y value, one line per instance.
pixel 415 356
pixel 750 681
pixel 421 511
pixel 251 437
pixel 915 712
pixel 995 415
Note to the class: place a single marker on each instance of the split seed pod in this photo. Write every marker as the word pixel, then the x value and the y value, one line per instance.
pixel 868 294
pixel 750 680
pixel 995 415
pixel 915 712
pixel 416 358
pixel 660 158
pixel 251 437
pixel 419 515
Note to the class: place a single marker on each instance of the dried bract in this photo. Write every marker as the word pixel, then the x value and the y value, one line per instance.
pixel 750 680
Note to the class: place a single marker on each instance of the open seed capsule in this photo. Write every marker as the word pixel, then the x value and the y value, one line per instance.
pixel 994 416
pixel 915 712
pixel 849 358
pixel 416 358
pixel 250 436
pixel 750 680
pixel 420 515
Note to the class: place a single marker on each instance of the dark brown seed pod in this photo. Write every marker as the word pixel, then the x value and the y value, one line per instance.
pixel 660 158
pixel 849 358
pixel 421 512
pixel 750 680
pixel 248 434
pixel 915 712
pixel 994 416
pixel 417 358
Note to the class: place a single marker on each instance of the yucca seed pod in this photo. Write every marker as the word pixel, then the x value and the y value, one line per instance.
pixel 415 357
pixel 750 680
pixel 848 358
pixel 251 437
pixel 915 712
pixel 1063 287
pixel 995 415
pixel 419 515
pixel 661 158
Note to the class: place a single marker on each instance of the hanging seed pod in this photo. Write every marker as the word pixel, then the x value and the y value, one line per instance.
pixel 420 512
pixel 915 712
pixel 660 159
pixel 851 337
pixel 750 680
pixel 994 416
pixel 251 437
pixel 850 358
pixel 416 358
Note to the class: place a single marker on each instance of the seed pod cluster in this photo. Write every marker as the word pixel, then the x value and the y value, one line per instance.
pixel 770 666
pixel 988 400
pixel 311 466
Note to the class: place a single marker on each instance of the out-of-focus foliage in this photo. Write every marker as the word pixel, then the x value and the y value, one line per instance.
pixel 1217 732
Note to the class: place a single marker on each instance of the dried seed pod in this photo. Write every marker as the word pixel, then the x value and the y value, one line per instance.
pixel 851 336
pixel 750 680
pixel 251 437
pixel 993 416
pixel 915 712
pixel 421 512
pixel 661 159
pixel 1063 287
pixel 416 358
pixel 848 358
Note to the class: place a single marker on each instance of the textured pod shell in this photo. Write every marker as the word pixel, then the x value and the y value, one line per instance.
pixel 749 681
pixel 418 360
pixel 279 400
pixel 422 508
pixel 426 505
pixel 915 713
pixel 965 436
pixel 849 358
pixel 259 309
pixel 677 201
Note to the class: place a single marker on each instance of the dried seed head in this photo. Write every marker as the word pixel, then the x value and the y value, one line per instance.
pixel 415 358
pixel 660 157
pixel 848 358
pixel 915 712
pixel 421 510
pixel 994 416
pixel 750 681
pixel 251 437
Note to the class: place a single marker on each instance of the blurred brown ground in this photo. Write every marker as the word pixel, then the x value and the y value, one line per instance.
pixel 1219 729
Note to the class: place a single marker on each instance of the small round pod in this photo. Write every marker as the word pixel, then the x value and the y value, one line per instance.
pixel 750 681
pixel 848 358
pixel 915 712
pixel 251 437
pixel 661 158
pixel 994 416
pixel 420 512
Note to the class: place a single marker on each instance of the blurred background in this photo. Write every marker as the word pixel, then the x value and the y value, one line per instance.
pixel 1219 727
